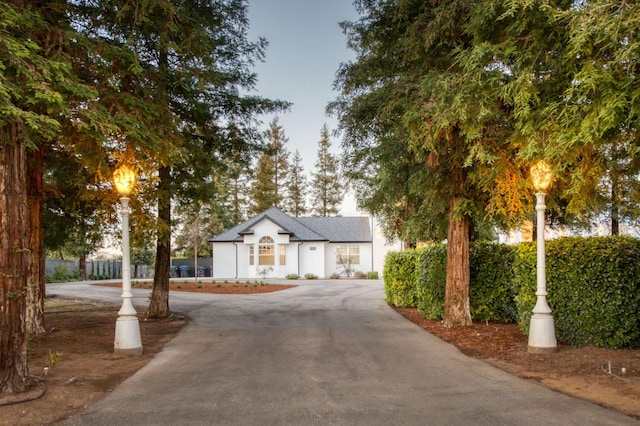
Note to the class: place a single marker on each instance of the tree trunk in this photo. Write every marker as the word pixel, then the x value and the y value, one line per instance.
pixel 456 307
pixel 615 205
pixel 159 304
pixel 35 324
pixel 14 261
pixel 82 267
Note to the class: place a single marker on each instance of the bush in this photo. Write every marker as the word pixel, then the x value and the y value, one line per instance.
pixel 431 281
pixel 359 275
pixel 399 275
pixel 491 295
pixel 335 276
pixel 593 287
pixel 311 276
pixel 372 275
pixel 61 275
pixel 292 276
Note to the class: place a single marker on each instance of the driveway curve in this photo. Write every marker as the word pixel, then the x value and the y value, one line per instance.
pixel 323 353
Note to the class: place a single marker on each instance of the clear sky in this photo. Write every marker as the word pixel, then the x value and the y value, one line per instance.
pixel 306 47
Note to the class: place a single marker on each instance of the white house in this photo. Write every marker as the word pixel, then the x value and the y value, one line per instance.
pixel 274 244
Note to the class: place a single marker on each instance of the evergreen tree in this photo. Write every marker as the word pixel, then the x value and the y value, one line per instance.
pixel 184 68
pixel 326 189
pixel 269 188
pixel 297 188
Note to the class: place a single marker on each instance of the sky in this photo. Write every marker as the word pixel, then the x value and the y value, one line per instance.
pixel 306 47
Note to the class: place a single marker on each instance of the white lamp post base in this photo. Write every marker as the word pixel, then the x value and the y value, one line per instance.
pixel 542 335
pixel 128 339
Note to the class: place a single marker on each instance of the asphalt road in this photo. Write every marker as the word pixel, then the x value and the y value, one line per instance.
pixel 323 353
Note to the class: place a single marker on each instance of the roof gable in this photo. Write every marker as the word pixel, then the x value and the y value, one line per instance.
pixel 333 229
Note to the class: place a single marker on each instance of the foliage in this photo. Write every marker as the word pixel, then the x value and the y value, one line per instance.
pixel 592 286
pixel 491 292
pixel 400 276
pixel 292 276
pixel 430 284
pixel 492 295
pixel 296 203
pixel 326 189
pixel 61 275
pixel 372 275
pixel 359 275
pixel 269 188
pixel 311 276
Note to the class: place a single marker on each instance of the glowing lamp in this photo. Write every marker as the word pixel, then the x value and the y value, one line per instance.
pixel 125 179
pixel 541 175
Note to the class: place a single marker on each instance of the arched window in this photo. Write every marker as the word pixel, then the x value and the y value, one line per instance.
pixel 266 251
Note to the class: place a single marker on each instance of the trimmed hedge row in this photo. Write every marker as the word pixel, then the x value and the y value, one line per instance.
pixel 399 275
pixel 491 297
pixel 593 286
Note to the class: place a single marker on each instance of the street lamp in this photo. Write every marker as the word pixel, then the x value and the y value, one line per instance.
pixel 542 334
pixel 127 327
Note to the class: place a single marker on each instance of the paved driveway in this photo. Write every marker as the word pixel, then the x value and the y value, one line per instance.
pixel 323 353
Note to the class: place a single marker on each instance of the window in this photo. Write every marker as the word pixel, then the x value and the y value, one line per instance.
pixel 252 255
pixel 283 254
pixel 348 254
pixel 266 251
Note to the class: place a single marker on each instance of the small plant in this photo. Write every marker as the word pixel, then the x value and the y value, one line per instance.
pixel 179 286
pixel 359 275
pixel 372 275
pixel 218 285
pixel 53 358
pixel 246 285
pixel 311 276
pixel 264 272
pixel 226 281
pixel 199 285
pixel 335 276
pixel 292 276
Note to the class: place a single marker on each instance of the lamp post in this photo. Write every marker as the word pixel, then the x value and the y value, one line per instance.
pixel 542 335
pixel 127 327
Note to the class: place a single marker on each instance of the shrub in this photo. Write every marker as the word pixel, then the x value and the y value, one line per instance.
pixel 399 275
pixel 372 275
pixel 61 275
pixel 359 275
pixel 491 294
pixel 292 276
pixel 593 287
pixel 311 276
pixel 431 279
pixel 335 276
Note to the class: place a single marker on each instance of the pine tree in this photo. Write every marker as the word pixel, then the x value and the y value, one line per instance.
pixel 297 187
pixel 269 188
pixel 326 189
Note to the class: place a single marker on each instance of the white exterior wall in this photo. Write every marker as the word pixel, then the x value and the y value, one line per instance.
pixel 312 258
pixel 381 248
pixel 224 260
pixel 266 228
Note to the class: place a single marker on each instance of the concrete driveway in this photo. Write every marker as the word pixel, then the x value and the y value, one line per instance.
pixel 323 353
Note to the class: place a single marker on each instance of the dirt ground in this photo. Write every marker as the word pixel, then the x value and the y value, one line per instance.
pixel 78 349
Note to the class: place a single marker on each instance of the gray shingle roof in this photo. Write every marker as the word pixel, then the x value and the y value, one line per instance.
pixel 330 229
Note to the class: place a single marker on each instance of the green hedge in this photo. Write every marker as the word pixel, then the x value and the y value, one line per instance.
pixel 593 287
pixel 432 262
pixel 491 296
pixel 399 277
